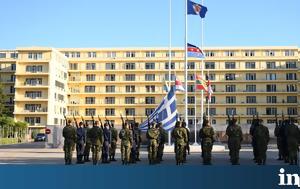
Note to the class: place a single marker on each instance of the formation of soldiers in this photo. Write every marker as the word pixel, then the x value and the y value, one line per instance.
pixel 102 139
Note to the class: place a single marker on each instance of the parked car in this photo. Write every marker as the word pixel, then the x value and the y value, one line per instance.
pixel 40 137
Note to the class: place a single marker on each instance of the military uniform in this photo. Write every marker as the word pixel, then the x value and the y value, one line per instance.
pixel 293 136
pixel 235 137
pixel 253 142
pixel 187 146
pixel 279 141
pixel 152 135
pixel 180 137
pixel 87 147
pixel 162 139
pixel 69 133
pixel 106 144
pixel 96 136
pixel 206 135
pixel 262 138
pixel 80 144
pixel 113 144
pixel 126 142
pixel 284 145
pixel 137 132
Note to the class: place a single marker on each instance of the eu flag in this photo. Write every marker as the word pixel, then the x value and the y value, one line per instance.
pixel 196 9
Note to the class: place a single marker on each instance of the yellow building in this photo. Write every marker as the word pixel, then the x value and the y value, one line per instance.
pixel 130 81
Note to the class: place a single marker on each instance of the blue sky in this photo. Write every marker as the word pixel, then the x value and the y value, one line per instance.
pixel 141 23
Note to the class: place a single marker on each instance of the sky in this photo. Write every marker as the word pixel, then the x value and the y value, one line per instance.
pixel 145 23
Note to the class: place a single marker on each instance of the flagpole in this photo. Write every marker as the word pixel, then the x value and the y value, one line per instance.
pixel 208 99
pixel 202 67
pixel 195 106
pixel 185 65
pixel 170 56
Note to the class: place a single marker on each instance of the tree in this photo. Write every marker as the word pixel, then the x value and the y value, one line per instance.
pixel 3 97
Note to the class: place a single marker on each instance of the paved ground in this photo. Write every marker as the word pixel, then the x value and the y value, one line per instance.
pixel 35 153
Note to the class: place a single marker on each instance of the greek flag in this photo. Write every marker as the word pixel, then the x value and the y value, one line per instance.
pixel 166 112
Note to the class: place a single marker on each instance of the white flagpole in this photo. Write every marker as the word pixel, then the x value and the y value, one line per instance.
pixel 202 68
pixel 195 121
pixel 208 99
pixel 170 56
pixel 185 65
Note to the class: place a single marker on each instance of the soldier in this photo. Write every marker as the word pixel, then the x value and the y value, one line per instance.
pixel 235 137
pixel 282 134
pixel 279 139
pixel 152 136
pixel 262 137
pixel 253 142
pixel 187 147
pixel 113 144
pixel 134 144
pixel 80 142
pixel 162 138
pixel 206 135
pixel 96 136
pixel 69 133
pixel 293 136
pixel 138 137
pixel 180 137
pixel 106 144
pixel 126 142
pixel 87 147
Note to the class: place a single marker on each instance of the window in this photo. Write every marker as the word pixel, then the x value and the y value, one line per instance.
pixel 35 56
pixel 110 66
pixel 90 100
pixel 92 54
pixel 89 89
pixel 73 66
pixel 211 77
pixel 90 66
pixel 191 65
pixel 110 88
pixel 33 94
pixel 14 55
pixel 13 67
pixel 110 77
pixel 250 88
pixel 130 111
pixel 149 65
pixel 213 100
pixel 250 65
pixel 191 100
pixel 33 107
pixel 130 66
pixel 191 111
pixel 172 65
pixel 191 88
pixel 34 81
pixel 271 76
pixel 214 88
pixel 34 69
pixel 249 53
pixel 291 99
pixel 90 111
pixel 229 76
pixel 230 111
pixel 271 99
pixel 129 77
pixel 271 65
pixel 111 54
pixel 90 77
pixel 130 54
pixel 191 77
pixel 129 100
pixel 271 111
pixel 130 88
pixel 289 53
pixel 230 88
pixel 110 100
pixel 229 53
pixel 291 76
pixel 229 65
pixel 212 111
pixel 251 111
pixel 150 100
pixel 292 111
pixel 230 99
pixel 150 54
pixel 291 88
pixel 251 99
pixel 270 53
pixel 167 77
pixel 172 54
pixel 109 111
pixel 150 77
pixel 2 55
pixel 209 53
pixel 271 88
pixel 250 76
pixel 149 111
pixel 210 65
pixel 33 120
pixel 150 88
pixel 290 65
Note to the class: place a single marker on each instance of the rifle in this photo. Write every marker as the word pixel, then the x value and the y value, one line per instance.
pixel 100 121
pixel 83 121
pixel 75 121
pixel 229 121
pixel 108 122
pixel 276 120
pixel 93 121
pixel 66 119
pixel 123 123
pixel 239 119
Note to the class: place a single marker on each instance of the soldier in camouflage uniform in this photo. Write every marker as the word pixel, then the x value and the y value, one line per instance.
pixel 293 136
pixel 180 137
pixel 69 133
pixel 262 137
pixel 96 136
pixel 279 139
pixel 137 132
pixel 206 135
pixel 113 145
pixel 187 147
pixel 235 137
pixel 162 138
pixel 80 142
pixel 106 144
pixel 87 147
pixel 126 142
pixel 253 142
pixel 152 136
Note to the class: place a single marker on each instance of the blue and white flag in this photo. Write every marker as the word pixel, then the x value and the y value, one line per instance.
pixel 165 113
pixel 194 51
pixel 196 9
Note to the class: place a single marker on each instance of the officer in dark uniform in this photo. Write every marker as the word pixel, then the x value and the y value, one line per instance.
pixel 80 143
pixel 106 144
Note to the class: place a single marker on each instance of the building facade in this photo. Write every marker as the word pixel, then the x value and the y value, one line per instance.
pixel 45 83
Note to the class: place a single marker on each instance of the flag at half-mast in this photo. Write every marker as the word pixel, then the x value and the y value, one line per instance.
pixel 209 90
pixel 194 51
pixel 178 85
pixel 200 83
pixel 196 9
